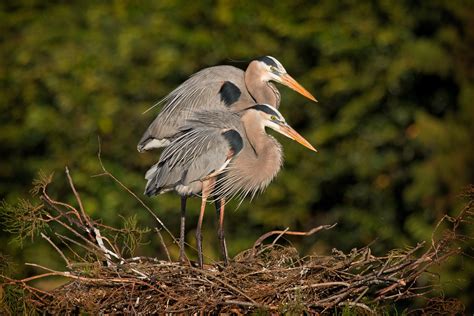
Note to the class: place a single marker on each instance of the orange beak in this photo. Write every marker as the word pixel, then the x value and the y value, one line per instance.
pixel 288 81
pixel 289 132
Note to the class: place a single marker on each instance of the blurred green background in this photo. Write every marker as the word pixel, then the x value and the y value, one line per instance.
pixel 394 125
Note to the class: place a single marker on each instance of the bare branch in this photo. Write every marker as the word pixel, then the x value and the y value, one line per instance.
pixel 295 233
pixel 108 174
pixel 162 241
pixel 56 248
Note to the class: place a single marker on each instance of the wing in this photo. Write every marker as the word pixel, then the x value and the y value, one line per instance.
pixel 196 154
pixel 211 88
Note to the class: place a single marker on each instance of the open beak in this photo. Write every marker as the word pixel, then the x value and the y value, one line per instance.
pixel 288 81
pixel 289 132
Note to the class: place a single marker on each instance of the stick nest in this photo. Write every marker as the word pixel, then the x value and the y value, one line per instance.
pixel 267 278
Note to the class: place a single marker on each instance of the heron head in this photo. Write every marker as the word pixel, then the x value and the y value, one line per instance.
pixel 273 119
pixel 272 70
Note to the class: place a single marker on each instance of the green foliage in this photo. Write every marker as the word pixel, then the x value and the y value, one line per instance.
pixel 13 301
pixel 132 234
pixel 23 220
pixel 394 122
pixel 7 267
pixel 41 182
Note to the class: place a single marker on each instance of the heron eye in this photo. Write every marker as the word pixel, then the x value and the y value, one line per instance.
pixel 273 118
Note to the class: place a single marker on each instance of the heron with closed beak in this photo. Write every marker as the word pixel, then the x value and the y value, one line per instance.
pixel 221 155
pixel 224 88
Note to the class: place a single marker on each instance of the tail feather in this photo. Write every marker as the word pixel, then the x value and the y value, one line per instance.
pixel 152 185
pixel 160 180
pixel 150 190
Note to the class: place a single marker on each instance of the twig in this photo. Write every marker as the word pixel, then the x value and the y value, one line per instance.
pixel 279 236
pixel 141 274
pixel 67 274
pixel 391 287
pixel 295 233
pixel 106 251
pixel 363 306
pixel 53 204
pixel 316 285
pixel 201 271
pixel 69 247
pixel 57 249
pixel 72 230
pixel 78 199
pixel 162 241
pixel 248 304
pixel 95 251
pixel 108 174
pixel 85 279
pixel 361 295
pixel 96 232
pixel 114 248
pixel 32 290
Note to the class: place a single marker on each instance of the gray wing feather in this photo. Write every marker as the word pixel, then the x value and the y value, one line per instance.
pixel 198 152
pixel 199 92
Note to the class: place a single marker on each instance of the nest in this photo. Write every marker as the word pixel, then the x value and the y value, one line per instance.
pixel 276 280
pixel 268 278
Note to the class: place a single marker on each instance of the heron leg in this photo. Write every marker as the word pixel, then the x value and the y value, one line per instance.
pixel 220 206
pixel 182 254
pixel 206 189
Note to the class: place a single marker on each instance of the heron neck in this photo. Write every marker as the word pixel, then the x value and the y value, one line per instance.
pixel 262 91
pixel 257 137
pixel 261 159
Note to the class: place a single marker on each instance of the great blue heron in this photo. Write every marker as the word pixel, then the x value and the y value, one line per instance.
pixel 219 87
pixel 221 155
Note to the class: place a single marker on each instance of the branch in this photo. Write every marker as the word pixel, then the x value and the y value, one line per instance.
pixel 85 217
pixel 108 174
pixel 57 249
pixel 294 233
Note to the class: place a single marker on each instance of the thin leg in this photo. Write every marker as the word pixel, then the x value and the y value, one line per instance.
pixel 220 205
pixel 182 254
pixel 207 187
pixel 198 230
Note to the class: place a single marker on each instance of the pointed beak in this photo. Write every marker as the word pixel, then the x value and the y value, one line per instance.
pixel 289 132
pixel 288 81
